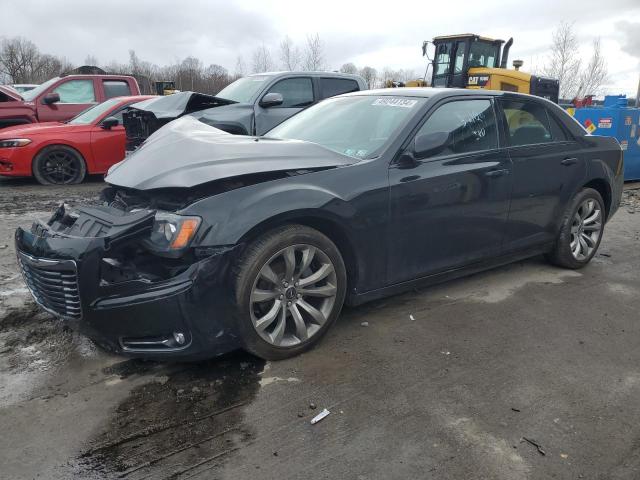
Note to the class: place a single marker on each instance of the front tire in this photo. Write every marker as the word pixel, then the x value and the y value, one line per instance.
pixel 290 286
pixel 581 231
pixel 59 165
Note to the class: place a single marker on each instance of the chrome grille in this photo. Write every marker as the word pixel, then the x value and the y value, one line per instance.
pixel 53 284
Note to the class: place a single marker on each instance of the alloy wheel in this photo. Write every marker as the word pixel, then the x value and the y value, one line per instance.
pixel 293 295
pixel 586 228
pixel 60 167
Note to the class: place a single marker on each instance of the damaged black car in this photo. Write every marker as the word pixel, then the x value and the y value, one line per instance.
pixel 207 242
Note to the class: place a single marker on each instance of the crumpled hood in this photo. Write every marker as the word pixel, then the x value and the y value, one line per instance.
pixel 177 104
pixel 186 153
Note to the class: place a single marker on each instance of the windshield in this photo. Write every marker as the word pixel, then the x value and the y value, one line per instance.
pixel 243 89
pixel 358 126
pixel 483 54
pixel 30 95
pixel 91 114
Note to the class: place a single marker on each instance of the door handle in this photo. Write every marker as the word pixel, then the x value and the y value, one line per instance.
pixel 569 161
pixel 497 173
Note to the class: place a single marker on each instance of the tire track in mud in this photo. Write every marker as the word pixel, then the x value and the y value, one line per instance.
pixel 186 417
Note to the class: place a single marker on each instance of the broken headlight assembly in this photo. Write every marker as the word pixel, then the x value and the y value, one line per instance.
pixel 14 142
pixel 171 233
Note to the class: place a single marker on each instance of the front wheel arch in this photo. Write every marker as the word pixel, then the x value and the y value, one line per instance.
pixel 331 228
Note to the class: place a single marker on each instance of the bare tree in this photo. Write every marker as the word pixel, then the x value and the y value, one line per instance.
pixel 595 75
pixel 262 60
pixel 116 68
pixel 91 60
pixel 241 68
pixel 50 66
pixel 22 62
pixel 564 62
pixel 314 54
pixel 190 72
pixel 349 68
pixel 370 76
pixel 134 63
pixel 290 56
pixel 18 59
pixel 216 77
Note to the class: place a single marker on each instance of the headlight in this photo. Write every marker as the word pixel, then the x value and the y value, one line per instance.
pixel 14 142
pixel 172 233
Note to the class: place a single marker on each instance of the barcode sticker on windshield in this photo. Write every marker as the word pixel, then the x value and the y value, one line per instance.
pixel 394 102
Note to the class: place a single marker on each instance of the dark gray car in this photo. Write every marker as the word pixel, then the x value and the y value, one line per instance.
pixel 251 105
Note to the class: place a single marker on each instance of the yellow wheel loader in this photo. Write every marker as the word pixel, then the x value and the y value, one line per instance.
pixel 472 61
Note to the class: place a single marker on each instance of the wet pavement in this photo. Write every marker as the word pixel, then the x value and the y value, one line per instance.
pixel 442 383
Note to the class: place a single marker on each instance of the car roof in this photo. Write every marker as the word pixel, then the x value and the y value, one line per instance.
pixel 307 74
pixel 438 93
pixel 426 92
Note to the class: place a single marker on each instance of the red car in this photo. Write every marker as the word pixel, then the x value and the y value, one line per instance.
pixel 63 153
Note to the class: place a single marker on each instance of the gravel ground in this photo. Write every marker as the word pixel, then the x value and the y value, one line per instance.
pixel 456 381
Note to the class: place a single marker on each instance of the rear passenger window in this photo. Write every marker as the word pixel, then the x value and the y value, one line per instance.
pixel 471 125
pixel 296 92
pixel 116 88
pixel 337 86
pixel 527 122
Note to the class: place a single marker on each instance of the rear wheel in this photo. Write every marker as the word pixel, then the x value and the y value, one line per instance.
pixel 581 231
pixel 59 165
pixel 290 286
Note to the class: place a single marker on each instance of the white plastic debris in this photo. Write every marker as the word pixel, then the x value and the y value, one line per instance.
pixel 411 318
pixel 324 413
pixel 364 324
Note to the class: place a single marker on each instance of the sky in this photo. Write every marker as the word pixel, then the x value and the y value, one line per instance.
pixel 374 33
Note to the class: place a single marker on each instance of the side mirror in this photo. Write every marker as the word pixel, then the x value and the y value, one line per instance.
pixel 430 144
pixel 50 98
pixel 272 99
pixel 110 122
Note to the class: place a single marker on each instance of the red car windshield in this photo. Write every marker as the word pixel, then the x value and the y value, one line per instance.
pixel 91 114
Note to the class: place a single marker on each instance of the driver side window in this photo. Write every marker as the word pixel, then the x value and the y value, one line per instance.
pixel 470 124
pixel 296 92
pixel 76 91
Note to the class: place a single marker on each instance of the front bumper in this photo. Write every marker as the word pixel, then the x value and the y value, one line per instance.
pixel 187 317
pixel 16 162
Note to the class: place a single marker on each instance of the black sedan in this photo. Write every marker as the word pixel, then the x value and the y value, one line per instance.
pixel 206 241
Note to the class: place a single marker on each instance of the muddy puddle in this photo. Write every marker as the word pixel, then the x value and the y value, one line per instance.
pixel 34 347
pixel 183 423
pixel 21 196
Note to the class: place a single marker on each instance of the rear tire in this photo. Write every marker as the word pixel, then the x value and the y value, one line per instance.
pixel 290 286
pixel 59 165
pixel 580 232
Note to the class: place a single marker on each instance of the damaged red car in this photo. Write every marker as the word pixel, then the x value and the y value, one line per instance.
pixel 206 241
pixel 63 153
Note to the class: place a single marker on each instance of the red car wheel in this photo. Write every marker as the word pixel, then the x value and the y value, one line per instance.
pixel 59 165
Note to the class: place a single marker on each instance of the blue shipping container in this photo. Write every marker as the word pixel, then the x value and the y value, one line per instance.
pixel 615 119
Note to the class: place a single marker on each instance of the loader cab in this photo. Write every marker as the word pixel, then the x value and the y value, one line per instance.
pixel 456 54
